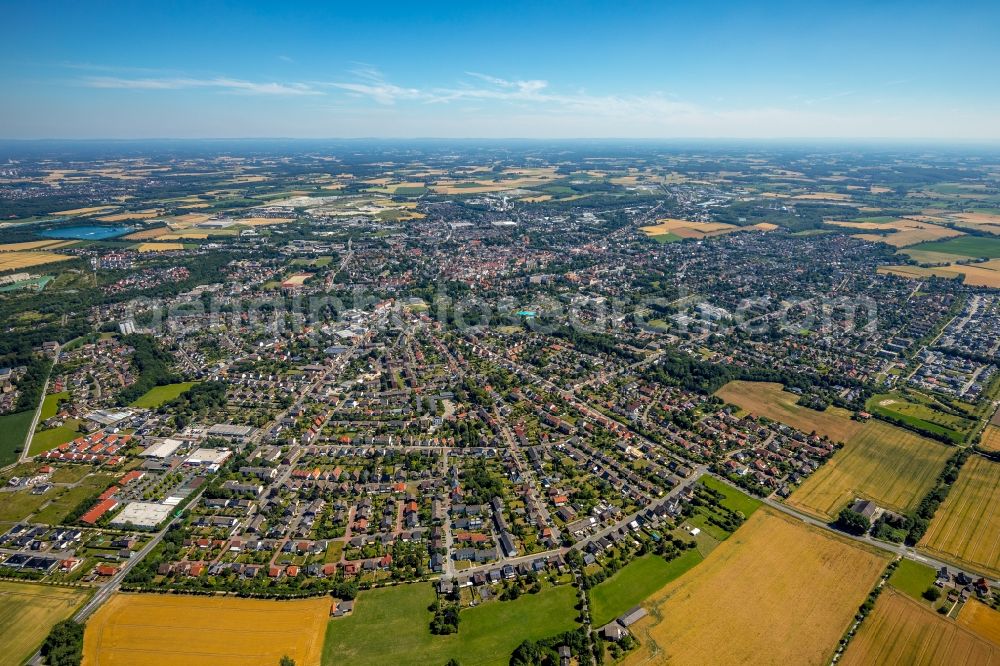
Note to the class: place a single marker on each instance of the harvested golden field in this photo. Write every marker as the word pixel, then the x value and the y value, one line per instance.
pixel 148 233
pixel 931 257
pixel 527 177
pixel 981 275
pixel 188 235
pixel 966 527
pixel 140 630
pixel 135 215
pixel 918 272
pixel 991 438
pixel 899 233
pixel 188 219
pixel 981 620
pixel 770 400
pixel 13 260
pixel 27 613
pixel 893 467
pixel 901 631
pixel 27 245
pixel 877 189
pixel 986 274
pixel 776 592
pixel 86 211
pixel 159 247
pixel 979 218
pixel 686 229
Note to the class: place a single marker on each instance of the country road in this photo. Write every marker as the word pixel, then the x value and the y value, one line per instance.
pixel 34 421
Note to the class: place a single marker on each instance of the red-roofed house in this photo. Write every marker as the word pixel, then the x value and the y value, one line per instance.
pixel 99 510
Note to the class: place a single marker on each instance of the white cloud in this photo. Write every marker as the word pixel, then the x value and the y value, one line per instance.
pixel 218 83
pixel 367 103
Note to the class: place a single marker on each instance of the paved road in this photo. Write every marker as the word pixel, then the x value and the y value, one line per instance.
pixel 34 421
pixel 696 474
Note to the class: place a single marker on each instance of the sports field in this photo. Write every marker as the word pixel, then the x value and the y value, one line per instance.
pixel 391 625
pixel 27 613
pixel 776 592
pixel 981 620
pixel 901 631
pixel 966 527
pixel 149 629
pixel 991 438
pixel 770 400
pixel 634 582
pixel 893 467
pixel 158 395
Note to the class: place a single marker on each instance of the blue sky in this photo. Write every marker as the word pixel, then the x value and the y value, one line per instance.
pixel 503 69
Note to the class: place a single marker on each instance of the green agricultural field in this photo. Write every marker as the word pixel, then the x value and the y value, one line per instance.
pixel 410 191
pixel 71 474
pixel 920 414
pixel 43 440
pixel 28 612
pixel 912 578
pixel 893 467
pixel 734 499
pixel 967 246
pixel 13 432
pixel 51 404
pixel 391 625
pixel 634 583
pixel 17 506
pixel 158 395
pixel 666 238
pixel 64 500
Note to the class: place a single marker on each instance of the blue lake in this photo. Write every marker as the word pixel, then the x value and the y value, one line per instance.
pixel 92 232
